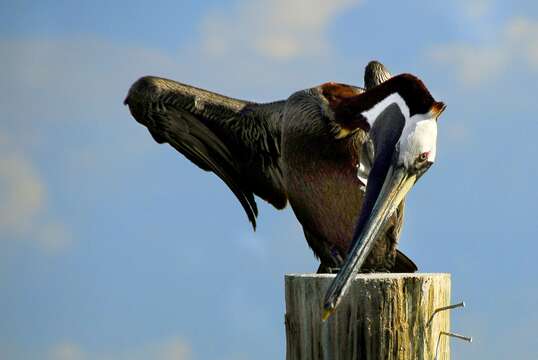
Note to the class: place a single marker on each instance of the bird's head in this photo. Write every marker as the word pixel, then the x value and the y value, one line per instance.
pixel 417 146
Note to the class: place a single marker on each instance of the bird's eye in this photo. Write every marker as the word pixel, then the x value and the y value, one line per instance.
pixel 424 156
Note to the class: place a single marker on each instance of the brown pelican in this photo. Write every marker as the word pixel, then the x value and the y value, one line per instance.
pixel 333 151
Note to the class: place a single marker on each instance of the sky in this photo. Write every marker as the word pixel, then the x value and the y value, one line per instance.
pixel 115 247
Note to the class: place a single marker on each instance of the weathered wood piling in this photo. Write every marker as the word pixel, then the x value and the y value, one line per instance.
pixel 383 316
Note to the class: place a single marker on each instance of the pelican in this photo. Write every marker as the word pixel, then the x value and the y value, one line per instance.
pixel 344 158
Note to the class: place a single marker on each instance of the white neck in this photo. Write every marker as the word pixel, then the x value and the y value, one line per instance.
pixel 394 98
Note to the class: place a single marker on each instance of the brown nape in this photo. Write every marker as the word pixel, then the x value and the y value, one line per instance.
pixel 337 95
pixel 348 106
pixel 335 92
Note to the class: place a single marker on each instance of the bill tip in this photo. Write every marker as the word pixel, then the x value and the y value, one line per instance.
pixel 326 314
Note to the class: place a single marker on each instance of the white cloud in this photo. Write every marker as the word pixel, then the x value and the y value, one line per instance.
pixel 21 191
pixel 522 34
pixel 51 80
pixel 66 351
pixel 276 29
pixel 23 209
pixel 476 8
pixel 475 64
pixel 174 348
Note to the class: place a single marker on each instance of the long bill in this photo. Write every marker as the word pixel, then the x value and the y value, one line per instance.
pixel 398 182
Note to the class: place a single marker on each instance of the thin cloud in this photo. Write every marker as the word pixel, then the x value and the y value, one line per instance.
pixel 174 348
pixel 66 351
pixel 70 79
pixel 476 8
pixel 23 209
pixel 476 64
pixel 21 191
pixel 522 33
pixel 473 65
pixel 277 29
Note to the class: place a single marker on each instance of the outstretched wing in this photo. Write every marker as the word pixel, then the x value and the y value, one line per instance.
pixel 237 140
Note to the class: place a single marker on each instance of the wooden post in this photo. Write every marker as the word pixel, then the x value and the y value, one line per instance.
pixel 383 316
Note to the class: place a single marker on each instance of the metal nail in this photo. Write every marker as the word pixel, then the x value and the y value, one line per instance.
pixel 444 308
pixel 457 336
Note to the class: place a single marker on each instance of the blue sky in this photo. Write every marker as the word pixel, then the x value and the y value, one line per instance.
pixel 106 237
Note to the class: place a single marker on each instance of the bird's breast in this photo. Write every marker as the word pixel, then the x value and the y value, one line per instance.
pixel 323 189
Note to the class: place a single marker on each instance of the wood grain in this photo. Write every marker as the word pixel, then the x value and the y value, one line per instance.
pixel 383 316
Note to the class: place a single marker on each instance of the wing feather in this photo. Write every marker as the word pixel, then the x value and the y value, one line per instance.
pixel 239 141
